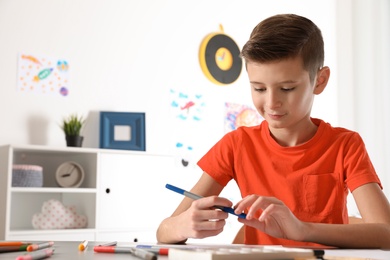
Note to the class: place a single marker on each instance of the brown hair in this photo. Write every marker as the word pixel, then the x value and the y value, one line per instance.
pixel 286 36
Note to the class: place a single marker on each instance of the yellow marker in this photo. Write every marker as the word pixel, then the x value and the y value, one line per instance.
pixel 83 245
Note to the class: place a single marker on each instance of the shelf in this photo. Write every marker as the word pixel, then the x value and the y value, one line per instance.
pixel 21 217
pixel 53 235
pixel 52 190
pixel 50 160
pixel 51 231
pixel 48 149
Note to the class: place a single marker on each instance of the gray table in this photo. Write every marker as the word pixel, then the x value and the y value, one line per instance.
pixel 69 251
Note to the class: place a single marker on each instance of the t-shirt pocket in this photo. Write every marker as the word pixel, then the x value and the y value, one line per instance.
pixel 322 193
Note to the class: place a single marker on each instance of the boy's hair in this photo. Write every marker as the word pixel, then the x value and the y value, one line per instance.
pixel 286 36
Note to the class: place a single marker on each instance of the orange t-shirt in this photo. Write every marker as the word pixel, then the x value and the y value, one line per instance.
pixel 312 179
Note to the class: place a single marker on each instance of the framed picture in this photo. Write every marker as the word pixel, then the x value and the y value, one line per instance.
pixel 122 130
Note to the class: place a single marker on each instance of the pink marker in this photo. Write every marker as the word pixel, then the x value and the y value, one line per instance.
pixel 40 254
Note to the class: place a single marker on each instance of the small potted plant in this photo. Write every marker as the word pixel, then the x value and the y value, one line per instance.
pixel 72 127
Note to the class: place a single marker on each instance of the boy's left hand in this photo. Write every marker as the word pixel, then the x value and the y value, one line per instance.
pixel 271 216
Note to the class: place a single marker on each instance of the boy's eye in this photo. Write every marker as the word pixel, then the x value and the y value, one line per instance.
pixel 259 89
pixel 287 89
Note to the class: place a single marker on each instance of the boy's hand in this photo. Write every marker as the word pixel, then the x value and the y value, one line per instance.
pixel 202 219
pixel 271 216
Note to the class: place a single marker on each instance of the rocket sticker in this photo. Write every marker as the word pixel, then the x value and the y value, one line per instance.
pixel 43 75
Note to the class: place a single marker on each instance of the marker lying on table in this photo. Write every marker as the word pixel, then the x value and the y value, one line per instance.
pixel 196 197
pixel 141 253
pixel 13 243
pixel 83 245
pixel 154 249
pixel 6 249
pixel 40 254
pixel 34 247
pixel 113 243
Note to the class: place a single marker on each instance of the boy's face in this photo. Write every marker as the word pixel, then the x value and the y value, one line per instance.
pixel 282 92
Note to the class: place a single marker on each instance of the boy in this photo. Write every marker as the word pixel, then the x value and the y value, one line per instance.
pixel 293 171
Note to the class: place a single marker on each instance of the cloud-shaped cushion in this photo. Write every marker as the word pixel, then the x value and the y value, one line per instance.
pixel 55 215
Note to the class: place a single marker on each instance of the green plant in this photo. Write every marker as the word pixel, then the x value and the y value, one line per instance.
pixel 72 125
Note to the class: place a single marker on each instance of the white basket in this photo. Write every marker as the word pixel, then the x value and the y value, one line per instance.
pixel 24 175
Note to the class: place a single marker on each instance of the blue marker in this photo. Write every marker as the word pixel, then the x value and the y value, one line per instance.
pixel 196 197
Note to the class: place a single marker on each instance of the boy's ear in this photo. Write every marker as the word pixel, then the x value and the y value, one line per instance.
pixel 322 80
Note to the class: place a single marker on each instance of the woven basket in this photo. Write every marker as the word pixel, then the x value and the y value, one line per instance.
pixel 24 175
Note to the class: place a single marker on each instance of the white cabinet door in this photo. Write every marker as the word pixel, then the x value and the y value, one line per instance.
pixel 132 190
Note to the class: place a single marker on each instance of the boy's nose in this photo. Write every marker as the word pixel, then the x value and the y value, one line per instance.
pixel 273 100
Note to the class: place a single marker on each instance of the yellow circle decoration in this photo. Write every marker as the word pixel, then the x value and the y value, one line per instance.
pixel 219 58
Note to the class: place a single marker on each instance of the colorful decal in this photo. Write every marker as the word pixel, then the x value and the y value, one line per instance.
pixel 43 75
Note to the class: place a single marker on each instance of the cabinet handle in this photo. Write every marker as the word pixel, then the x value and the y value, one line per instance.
pixel 108 190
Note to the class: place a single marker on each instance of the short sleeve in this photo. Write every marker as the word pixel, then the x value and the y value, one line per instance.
pixel 218 162
pixel 358 166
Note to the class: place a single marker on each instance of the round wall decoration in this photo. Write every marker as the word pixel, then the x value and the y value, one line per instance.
pixel 219 58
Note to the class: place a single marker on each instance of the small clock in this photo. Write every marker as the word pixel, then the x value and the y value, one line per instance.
pixel 70 175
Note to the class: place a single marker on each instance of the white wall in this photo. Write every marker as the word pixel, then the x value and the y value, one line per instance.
pixel 125 55
pixel 363 46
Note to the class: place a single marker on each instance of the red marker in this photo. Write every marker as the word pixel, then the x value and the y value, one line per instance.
pixel 158 251
pixel 141 253
pixel 155 249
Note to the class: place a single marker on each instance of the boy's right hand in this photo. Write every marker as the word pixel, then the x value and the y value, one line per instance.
pixel 270 215
pixel 202 219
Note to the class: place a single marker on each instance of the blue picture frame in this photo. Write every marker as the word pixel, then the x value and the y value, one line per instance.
pixel 130 126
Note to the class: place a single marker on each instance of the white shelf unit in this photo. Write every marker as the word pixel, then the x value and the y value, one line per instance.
pixel 123 194
pixel 19 204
